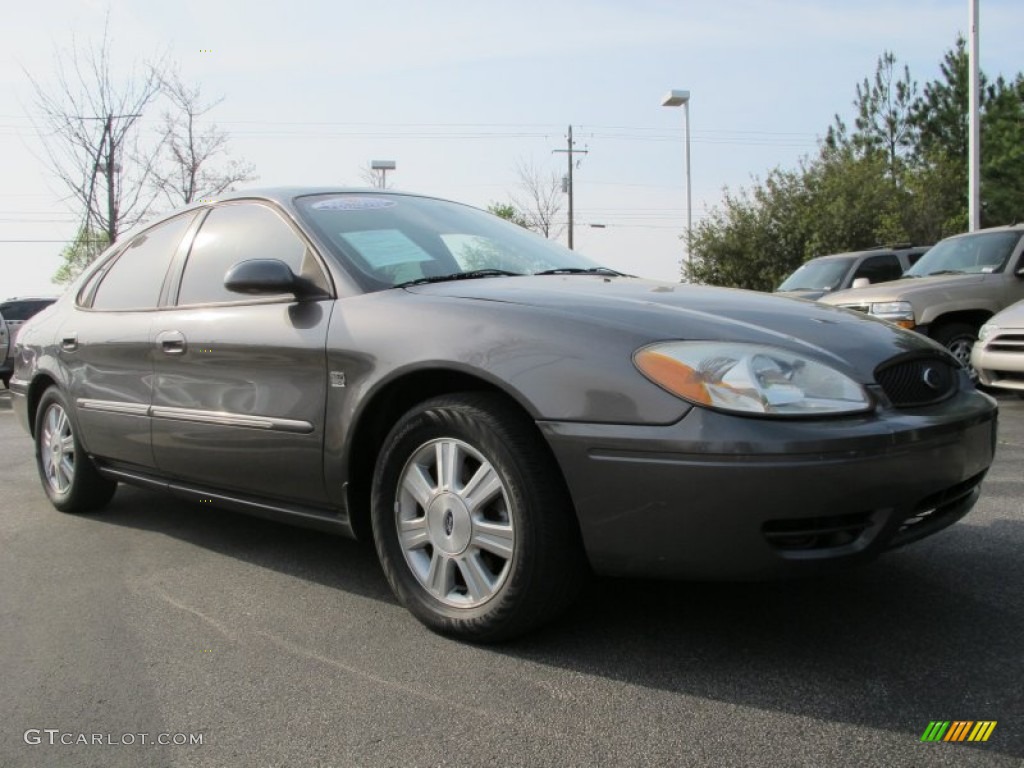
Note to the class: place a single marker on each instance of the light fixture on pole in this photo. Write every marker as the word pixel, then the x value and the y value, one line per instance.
pixel 383 166
pixel 682 99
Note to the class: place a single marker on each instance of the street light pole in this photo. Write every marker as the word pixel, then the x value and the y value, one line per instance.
pixel 973 132
pixel 677 99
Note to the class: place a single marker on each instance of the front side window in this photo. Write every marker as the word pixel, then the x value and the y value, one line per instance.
pixel 880 269
pixel 234 233
pixel 134 279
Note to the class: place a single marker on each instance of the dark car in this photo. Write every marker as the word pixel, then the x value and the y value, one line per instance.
pixel 5 346
pixel 827 274
pixel 16 311
pixel 498 414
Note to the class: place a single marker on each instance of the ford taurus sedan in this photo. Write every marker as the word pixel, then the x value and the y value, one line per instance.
pixel 500 415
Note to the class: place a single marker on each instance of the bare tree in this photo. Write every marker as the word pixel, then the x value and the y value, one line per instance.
pixel 375 177
pixel 89 127
pixel 190 148
pixel 540 203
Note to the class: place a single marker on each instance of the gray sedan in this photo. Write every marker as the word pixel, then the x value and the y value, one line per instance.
pixel 500 415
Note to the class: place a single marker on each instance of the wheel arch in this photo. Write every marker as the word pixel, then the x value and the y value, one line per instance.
pixel 973 317
pixel 39 385
pixel 382 411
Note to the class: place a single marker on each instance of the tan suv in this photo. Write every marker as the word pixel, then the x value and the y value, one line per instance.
pixel 954 288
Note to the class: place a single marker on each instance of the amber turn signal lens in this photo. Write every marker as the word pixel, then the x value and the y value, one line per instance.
pixel 676 377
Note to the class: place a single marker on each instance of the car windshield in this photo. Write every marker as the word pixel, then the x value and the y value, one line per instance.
pixel 390 240
pixel 982 252
pixel 817 275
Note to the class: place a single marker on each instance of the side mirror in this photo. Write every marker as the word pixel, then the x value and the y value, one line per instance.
pixel 264 277
pixel 861 282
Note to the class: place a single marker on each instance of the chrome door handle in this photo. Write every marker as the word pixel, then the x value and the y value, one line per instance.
pixel 171 342
pixel 69 342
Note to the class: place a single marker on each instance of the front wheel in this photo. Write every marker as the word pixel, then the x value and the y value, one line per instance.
pixel 69 477
pixel 959 339
pixel 472 521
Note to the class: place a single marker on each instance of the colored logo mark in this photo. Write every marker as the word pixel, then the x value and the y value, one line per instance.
pixel 959 730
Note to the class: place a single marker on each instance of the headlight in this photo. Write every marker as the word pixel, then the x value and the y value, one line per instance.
pixel 986 331
pixel 893 310
pixel 749 378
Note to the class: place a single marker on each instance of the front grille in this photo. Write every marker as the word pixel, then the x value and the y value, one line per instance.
pixel 917 380
pixel 1007 342
pixel 816 533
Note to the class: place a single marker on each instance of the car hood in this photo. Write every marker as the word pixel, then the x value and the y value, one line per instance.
pixel 906 289
pixel 804 294
pixel 1011 317
pixel 656 311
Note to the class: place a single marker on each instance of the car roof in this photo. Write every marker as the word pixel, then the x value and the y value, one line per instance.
pixel 286 194
pixel 879 251
pixel 1005 228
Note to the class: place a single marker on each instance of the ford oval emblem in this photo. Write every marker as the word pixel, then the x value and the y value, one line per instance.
pixel 932 379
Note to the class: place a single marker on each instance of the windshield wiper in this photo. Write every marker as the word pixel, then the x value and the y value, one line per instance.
pixel 947 272
pixel 459 276
pixel 581 271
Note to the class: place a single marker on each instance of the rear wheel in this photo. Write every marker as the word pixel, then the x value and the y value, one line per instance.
pixel 69 477
pixel 471 519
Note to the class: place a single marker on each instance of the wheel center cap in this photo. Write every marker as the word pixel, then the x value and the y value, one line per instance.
pixel 449 524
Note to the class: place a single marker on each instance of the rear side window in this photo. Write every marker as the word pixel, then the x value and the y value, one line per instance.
pixel 135 278
pixel 234 233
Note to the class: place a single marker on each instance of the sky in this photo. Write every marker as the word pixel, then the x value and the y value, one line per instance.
pixel 458 92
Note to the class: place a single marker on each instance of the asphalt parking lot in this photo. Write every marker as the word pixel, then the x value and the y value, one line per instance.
pixel 278 647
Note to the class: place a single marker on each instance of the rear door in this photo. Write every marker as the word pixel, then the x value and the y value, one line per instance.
pixel 106 348
pixel 240 382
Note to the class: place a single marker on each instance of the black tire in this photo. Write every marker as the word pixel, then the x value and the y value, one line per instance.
pixel 7 380
pixel 68 475
pixel 959 339
pixel 545 568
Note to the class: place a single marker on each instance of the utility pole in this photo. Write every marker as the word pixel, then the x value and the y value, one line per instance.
pixel 108 135
pixel 570 150
pixel 107 156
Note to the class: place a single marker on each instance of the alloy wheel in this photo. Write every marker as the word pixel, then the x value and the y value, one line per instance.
pixel 58 449
pixel 456 527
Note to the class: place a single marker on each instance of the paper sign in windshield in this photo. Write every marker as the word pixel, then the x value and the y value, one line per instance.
pixel 349 203
pixel 385 247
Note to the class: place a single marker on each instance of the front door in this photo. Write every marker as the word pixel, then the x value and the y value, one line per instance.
pixel 240 382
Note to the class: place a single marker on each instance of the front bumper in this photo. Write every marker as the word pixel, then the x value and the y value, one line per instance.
pixel 999 367
pixel 727 497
